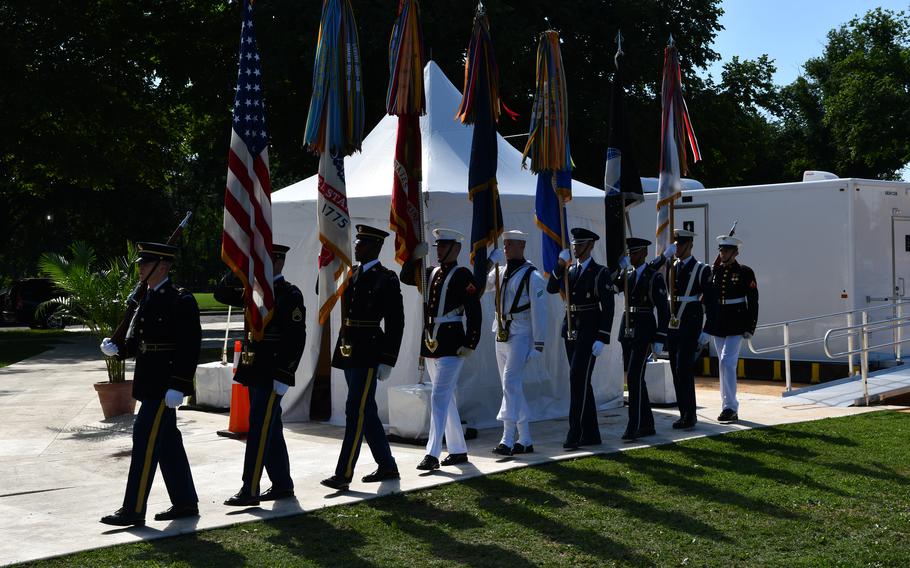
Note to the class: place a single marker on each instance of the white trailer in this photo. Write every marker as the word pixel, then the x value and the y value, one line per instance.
pixel 817 247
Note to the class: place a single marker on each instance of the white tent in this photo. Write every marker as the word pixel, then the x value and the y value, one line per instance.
pixel 446 152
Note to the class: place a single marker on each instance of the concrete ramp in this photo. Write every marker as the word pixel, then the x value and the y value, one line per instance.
pixel 849 392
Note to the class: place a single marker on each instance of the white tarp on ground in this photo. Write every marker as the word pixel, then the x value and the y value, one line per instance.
pixel 446 152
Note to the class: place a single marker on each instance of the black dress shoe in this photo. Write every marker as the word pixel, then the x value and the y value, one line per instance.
pixel 272 494
pixel 503 450
pixel 567 445
pixel 590 442
pixel 429 463
pixel 689 423
pixel 522 449
pixel 337 483
pixel 679 424
pixel 178 512
pixel 241 500
pixel 454 459
pixel 628 435
pixel 728 415
pixel 123 518
pixel 642 432
pixel 381 475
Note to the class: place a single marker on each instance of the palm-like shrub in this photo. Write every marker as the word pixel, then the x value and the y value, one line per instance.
pixel 95 295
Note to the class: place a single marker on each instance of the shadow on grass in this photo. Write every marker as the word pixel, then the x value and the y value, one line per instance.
pixel 190 550
pixel 310 537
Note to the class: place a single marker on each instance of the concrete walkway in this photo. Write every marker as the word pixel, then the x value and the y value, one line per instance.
pixel 62 467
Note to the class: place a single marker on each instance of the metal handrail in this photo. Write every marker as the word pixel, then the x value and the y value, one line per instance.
pixel 864 329
pixel 787 346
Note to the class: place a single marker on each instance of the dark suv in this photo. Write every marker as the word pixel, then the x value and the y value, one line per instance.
pixel 24 297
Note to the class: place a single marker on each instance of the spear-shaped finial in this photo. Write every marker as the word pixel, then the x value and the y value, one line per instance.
pixel 619 51
pixel 733 228
pixel 671 42
pixel 480 11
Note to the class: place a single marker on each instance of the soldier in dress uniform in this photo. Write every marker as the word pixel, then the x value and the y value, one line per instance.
pixel 450 334
pixel 644 334
pixel 684 336
pixel 731 315
pixel 366 352
pixel 520 334
pixel 590 300
pixel 165 338
pixel 267 367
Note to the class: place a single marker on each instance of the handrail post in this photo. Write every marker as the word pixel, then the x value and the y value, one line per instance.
pixel 787 356
pixel 899 332
pixel 864 362
pixel 851 368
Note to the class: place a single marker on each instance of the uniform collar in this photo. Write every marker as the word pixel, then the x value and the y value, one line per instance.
pixel 278 278
pixel 583 265
pixel 688 259
pixel 162 283
pixel 368 265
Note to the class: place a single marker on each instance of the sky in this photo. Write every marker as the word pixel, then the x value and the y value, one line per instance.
pixel 789 31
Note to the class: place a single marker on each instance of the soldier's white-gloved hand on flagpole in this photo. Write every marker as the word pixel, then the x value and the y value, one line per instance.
pixel 280 388
pixel 173 398
pixel 383 372
pixel 670 251
pixel 534 353
pixel 597 348
pixel 658 348
pixel 420 250
pixel 497 256
pixel 464 351
pixel 109 348
pixel 565 255
pixel 624 262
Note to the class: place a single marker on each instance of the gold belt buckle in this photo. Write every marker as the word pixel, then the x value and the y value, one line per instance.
pixel 629 332
pixel 247 357
pixel 572 335
pixel 674 322
pixel 345 350
pixel 431 343
pixel 502 335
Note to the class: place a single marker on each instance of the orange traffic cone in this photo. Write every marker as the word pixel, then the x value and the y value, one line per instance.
pixel 239 421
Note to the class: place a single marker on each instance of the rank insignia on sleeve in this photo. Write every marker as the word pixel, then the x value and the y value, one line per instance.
pixel 470 288
pixel 297 314
pixel 753 284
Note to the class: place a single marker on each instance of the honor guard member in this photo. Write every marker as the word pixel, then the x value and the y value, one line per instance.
pixel 643 333
pixel 586 332
pixel 520 333
pixel 164 337
pixel 267 367
pixel 366 351
pixel 684 334
pixel 731 308
pixel 450 334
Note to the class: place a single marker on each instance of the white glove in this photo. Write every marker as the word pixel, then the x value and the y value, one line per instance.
pixel 464 351
pixel 173 398
pixel 624 262
pixel 497 256
pixel 565 256
pixel 109 348
pixel 597 348
pixel 420 250
pixel 658 348
pixel 703 339
pixel 747 336
pixel 280 388
pixel 383 372
pixel 533 354
pixel 670 251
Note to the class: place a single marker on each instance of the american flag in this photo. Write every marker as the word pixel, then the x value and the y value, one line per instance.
pixel 246 241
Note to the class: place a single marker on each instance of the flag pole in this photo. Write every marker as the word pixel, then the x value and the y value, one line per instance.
pixel 421 272
pixel 498 292
pixel 565 246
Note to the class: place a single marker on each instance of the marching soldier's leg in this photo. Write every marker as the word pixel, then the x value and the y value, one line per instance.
pixel 144 460
pixel 262 410
pixel 576 393
pixel 590 431
pixel 728 357
pixel 635 378
pixel 374 433
pixel 506 412
pixel 277 462
pixel 685 393
pixel 175 468
pixel 523 412
pixel 359 382
pixel 673 351
pixel 447 381
pixel 645 415
pixel 437 412
pixel 514 354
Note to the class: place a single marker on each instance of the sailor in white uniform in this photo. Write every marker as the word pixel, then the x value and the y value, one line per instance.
pixel 520 332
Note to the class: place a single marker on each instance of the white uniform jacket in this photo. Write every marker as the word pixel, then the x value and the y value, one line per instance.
pixel 530 320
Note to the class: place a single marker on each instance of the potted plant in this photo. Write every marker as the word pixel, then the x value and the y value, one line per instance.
pixel 95 296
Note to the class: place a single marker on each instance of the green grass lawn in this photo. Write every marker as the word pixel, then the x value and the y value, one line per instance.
pixel 19 344
pixel 207 302
pixel 827 493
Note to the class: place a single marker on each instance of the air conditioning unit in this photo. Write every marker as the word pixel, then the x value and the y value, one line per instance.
pixel 816 175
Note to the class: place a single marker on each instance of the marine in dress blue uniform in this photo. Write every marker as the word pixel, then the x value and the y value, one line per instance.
pixel 644 333
pixel 267 366
pixel 451 332
pixel 731 314
pixel 591 301
pixel 372 321
pixel 164 337
pixel 684 335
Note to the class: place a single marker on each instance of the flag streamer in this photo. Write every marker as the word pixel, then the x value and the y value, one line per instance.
pixel 405 93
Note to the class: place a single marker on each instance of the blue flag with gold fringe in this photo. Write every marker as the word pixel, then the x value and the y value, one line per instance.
pixel 550 190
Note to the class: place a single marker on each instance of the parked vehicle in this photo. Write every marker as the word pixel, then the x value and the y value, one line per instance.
pixel 21 302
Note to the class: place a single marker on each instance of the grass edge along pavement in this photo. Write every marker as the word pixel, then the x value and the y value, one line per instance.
pixel 832 492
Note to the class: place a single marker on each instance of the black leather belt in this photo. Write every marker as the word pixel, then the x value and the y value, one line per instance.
pixel 641 310
pixel 156 347
pixel 360 323
pixel 582 307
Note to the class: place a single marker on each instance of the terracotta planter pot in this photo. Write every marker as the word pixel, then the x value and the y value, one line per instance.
pixel 116 398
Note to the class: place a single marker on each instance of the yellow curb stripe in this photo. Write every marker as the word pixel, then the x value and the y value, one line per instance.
pixel 349 470
pixel 146 466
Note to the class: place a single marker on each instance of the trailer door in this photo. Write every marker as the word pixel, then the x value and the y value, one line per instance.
pixel 695 218
pixel 900 257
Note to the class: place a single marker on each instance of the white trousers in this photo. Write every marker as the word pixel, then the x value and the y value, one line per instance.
pixel 728 356
pixel 444 418
pixel 511 357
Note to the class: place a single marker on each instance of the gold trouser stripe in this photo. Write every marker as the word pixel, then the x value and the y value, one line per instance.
pixel 263 436
pixel 146 466
pixel 349 470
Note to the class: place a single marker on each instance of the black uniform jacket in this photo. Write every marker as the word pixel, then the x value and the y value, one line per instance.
pixel 277 355
pixel 591 300
pixel 647 292
pixel 693 313
pixel 369 298
pixel 165 340
pixel 463 294
pixel 725 313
